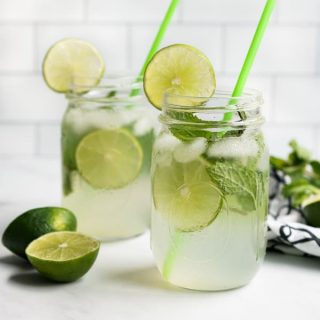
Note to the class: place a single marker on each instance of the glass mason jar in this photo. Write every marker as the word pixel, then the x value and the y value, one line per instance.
pixel 107 137
pixel 210 170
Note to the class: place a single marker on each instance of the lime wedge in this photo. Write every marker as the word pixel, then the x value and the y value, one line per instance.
pixel 69 59
pixel 109 159
pixel 184 194
pixel 63 256
pixel 179 69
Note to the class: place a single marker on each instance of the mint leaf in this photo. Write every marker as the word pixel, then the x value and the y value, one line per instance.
pixel 299 190
pixel 186 134
pixel 187 129
pixel 278 163
pixel 299 154
pixel 235 180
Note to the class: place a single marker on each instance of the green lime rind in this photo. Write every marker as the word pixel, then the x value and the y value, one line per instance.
pixel 181 70
pixel 35 223
pixel 63 257
pixel 72 58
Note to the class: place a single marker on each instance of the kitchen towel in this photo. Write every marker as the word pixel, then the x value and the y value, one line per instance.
pixel 287 228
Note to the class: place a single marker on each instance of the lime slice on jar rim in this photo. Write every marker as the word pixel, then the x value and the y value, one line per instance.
pixel 180 70
pixel 71 59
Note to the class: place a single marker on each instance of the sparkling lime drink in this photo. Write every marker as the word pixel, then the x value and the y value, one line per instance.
pixel 107 136
pixel 209 175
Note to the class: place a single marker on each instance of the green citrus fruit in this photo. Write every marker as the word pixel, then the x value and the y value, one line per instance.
pixel 184 194
pixel 63 256
pixel 33 224
pixel 311 209
pixel 71 59
pixel 179 70
pixel 109 159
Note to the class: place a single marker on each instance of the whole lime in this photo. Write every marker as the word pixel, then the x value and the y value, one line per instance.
pixel 35 223
pixel 312 213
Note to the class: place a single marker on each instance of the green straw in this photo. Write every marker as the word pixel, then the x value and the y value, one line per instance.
pixel 252 52
pixel 238 90
pixel 157 41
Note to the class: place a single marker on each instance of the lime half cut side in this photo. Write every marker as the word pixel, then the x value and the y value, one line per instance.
pixel 63 256
pixel 109 159
pixel 179 70
pixel 71 59
pixel 184 194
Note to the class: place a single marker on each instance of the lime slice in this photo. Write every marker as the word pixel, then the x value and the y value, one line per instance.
pixel 69 59
pixel 109 159
pixel 35 223
pixel 63 256
pixel 182 70
pixel 184 194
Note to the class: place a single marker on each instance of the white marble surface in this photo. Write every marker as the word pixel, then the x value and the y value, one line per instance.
pixel 124 283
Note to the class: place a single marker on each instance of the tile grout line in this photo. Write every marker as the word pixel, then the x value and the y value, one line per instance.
pixel 180 13
pixel 85 11
pixel 37 139
pixel 223 49
pixel 35 48
pixel 316 135
pixel 273 109
pixel 317 62
pixel 129 46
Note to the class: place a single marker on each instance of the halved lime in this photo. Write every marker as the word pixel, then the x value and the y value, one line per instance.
pixel 184 194
pixel 63 256
pixel 179 69
pixel 71 59
pixel 109 159
pixel 35 223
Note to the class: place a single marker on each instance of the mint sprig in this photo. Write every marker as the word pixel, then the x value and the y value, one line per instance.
pixel 301 172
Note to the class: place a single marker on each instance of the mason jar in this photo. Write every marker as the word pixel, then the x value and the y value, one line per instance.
pixel 210 170
pixel 107 137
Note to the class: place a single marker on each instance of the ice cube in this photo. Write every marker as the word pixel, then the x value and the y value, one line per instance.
pixel 235 147
pixel 187 152
pixel 166 143
pixel 164 147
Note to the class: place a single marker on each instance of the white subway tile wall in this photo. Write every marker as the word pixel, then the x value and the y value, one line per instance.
pixel 287 69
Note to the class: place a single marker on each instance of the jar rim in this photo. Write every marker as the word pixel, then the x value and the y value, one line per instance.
pixel 115 80
pixel 222 99
pixel 221 111
pixel 114 88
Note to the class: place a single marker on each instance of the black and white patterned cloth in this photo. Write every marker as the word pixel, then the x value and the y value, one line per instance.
pixel 287 229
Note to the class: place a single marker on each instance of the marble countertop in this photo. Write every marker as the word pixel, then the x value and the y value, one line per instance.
pixel 124 282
